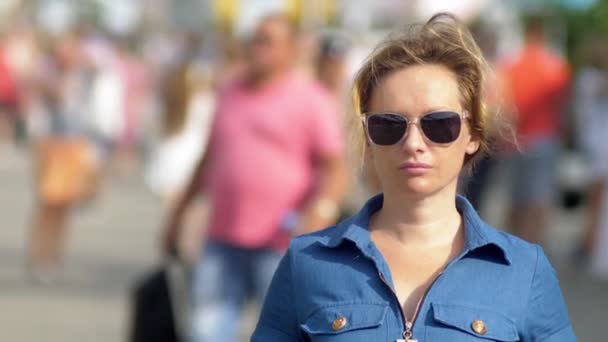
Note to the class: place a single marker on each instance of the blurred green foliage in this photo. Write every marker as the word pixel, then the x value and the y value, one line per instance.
pixel 582 27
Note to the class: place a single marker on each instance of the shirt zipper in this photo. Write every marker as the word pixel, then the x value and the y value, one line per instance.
pixel 408 333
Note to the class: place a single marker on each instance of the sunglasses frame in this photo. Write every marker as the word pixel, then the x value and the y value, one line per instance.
pixel 464 115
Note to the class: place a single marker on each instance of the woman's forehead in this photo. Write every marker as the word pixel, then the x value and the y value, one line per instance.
pixel 416 90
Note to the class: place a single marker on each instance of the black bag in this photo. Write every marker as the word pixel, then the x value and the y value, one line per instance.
pixel 153 318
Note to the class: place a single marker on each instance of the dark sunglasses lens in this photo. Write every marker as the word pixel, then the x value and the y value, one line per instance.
pixel 441 127
pixel 386 129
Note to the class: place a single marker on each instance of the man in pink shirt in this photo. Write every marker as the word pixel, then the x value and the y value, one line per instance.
pixel 274 167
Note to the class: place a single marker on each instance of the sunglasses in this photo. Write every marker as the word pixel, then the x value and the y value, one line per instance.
pixel 442 127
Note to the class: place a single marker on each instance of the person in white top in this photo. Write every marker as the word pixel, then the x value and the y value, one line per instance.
pixel 591 103
pixel 189 103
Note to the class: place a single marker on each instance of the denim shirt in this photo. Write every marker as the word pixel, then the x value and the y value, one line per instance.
pixel 334 285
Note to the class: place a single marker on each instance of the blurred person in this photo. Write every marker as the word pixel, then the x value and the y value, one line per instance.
pixel 188 106
pixel 417 263
pixel 537 85
pixel 9 97
pixel 25 54
pixel 591 106
pixel 19 57
pixel 231 64
pixel 309 52
pixel 136 86
pixel 273 168
pixel 476 181
pixel 331 68
pixel 332 64
pixel 106 97
pixel 65 160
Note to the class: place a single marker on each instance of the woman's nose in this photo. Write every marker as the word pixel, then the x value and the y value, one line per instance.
pixel 414 140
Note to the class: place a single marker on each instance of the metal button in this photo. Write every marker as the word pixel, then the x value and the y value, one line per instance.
pixel 479 327
pixel 339 323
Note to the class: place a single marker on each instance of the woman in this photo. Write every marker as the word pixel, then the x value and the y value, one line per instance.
pixel 417 263
pixel 66 161
pixel 188 108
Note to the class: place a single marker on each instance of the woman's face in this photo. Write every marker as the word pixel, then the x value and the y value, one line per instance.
pixel 415 165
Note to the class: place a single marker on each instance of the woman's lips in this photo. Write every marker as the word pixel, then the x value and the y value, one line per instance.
pixel 415 168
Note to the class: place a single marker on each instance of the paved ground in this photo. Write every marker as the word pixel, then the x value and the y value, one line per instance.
pixel 113 241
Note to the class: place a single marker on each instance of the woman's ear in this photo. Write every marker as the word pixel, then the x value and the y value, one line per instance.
pixel 472 145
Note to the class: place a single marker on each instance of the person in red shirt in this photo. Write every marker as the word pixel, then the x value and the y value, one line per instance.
pixel 537 81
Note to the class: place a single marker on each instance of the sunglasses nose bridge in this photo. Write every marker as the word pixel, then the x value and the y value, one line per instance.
pixel 416 139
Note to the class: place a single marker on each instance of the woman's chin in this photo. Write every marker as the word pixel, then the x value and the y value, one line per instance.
pixel 418 187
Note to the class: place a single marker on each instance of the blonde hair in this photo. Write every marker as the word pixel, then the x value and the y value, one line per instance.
pixel 442 40
pixel 176 94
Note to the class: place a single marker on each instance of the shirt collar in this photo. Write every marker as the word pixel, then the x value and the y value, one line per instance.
pixel 478 234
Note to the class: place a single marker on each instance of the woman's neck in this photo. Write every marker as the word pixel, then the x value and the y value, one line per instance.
pixel 418 221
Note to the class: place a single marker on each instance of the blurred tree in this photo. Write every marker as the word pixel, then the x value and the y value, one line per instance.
pixel 582 26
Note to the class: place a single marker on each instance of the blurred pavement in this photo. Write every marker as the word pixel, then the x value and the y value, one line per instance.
pixel 110 243
pixel 113 241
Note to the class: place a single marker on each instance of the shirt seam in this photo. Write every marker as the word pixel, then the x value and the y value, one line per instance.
pixel 477 308
pixel 272 330
pixel 292 257
pixel 331 305
pixel 537 248
pixel 549 335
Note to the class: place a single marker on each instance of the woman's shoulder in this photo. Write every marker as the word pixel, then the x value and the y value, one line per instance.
pixel 519 252
pixel 319 238
pixel 326 247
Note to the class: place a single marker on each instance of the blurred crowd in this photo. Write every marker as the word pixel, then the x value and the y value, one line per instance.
pixel 257 123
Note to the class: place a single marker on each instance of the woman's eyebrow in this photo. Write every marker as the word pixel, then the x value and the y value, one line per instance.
pixel 428 110
pixel 436 109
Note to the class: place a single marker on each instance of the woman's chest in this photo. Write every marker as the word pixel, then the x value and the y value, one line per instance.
pixel 412 274
pixel 467 302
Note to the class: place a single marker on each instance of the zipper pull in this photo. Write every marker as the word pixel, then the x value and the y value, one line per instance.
pixel 407 334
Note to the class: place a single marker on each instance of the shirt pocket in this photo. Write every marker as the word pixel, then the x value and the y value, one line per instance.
pixel 347 322
pixel 457 322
